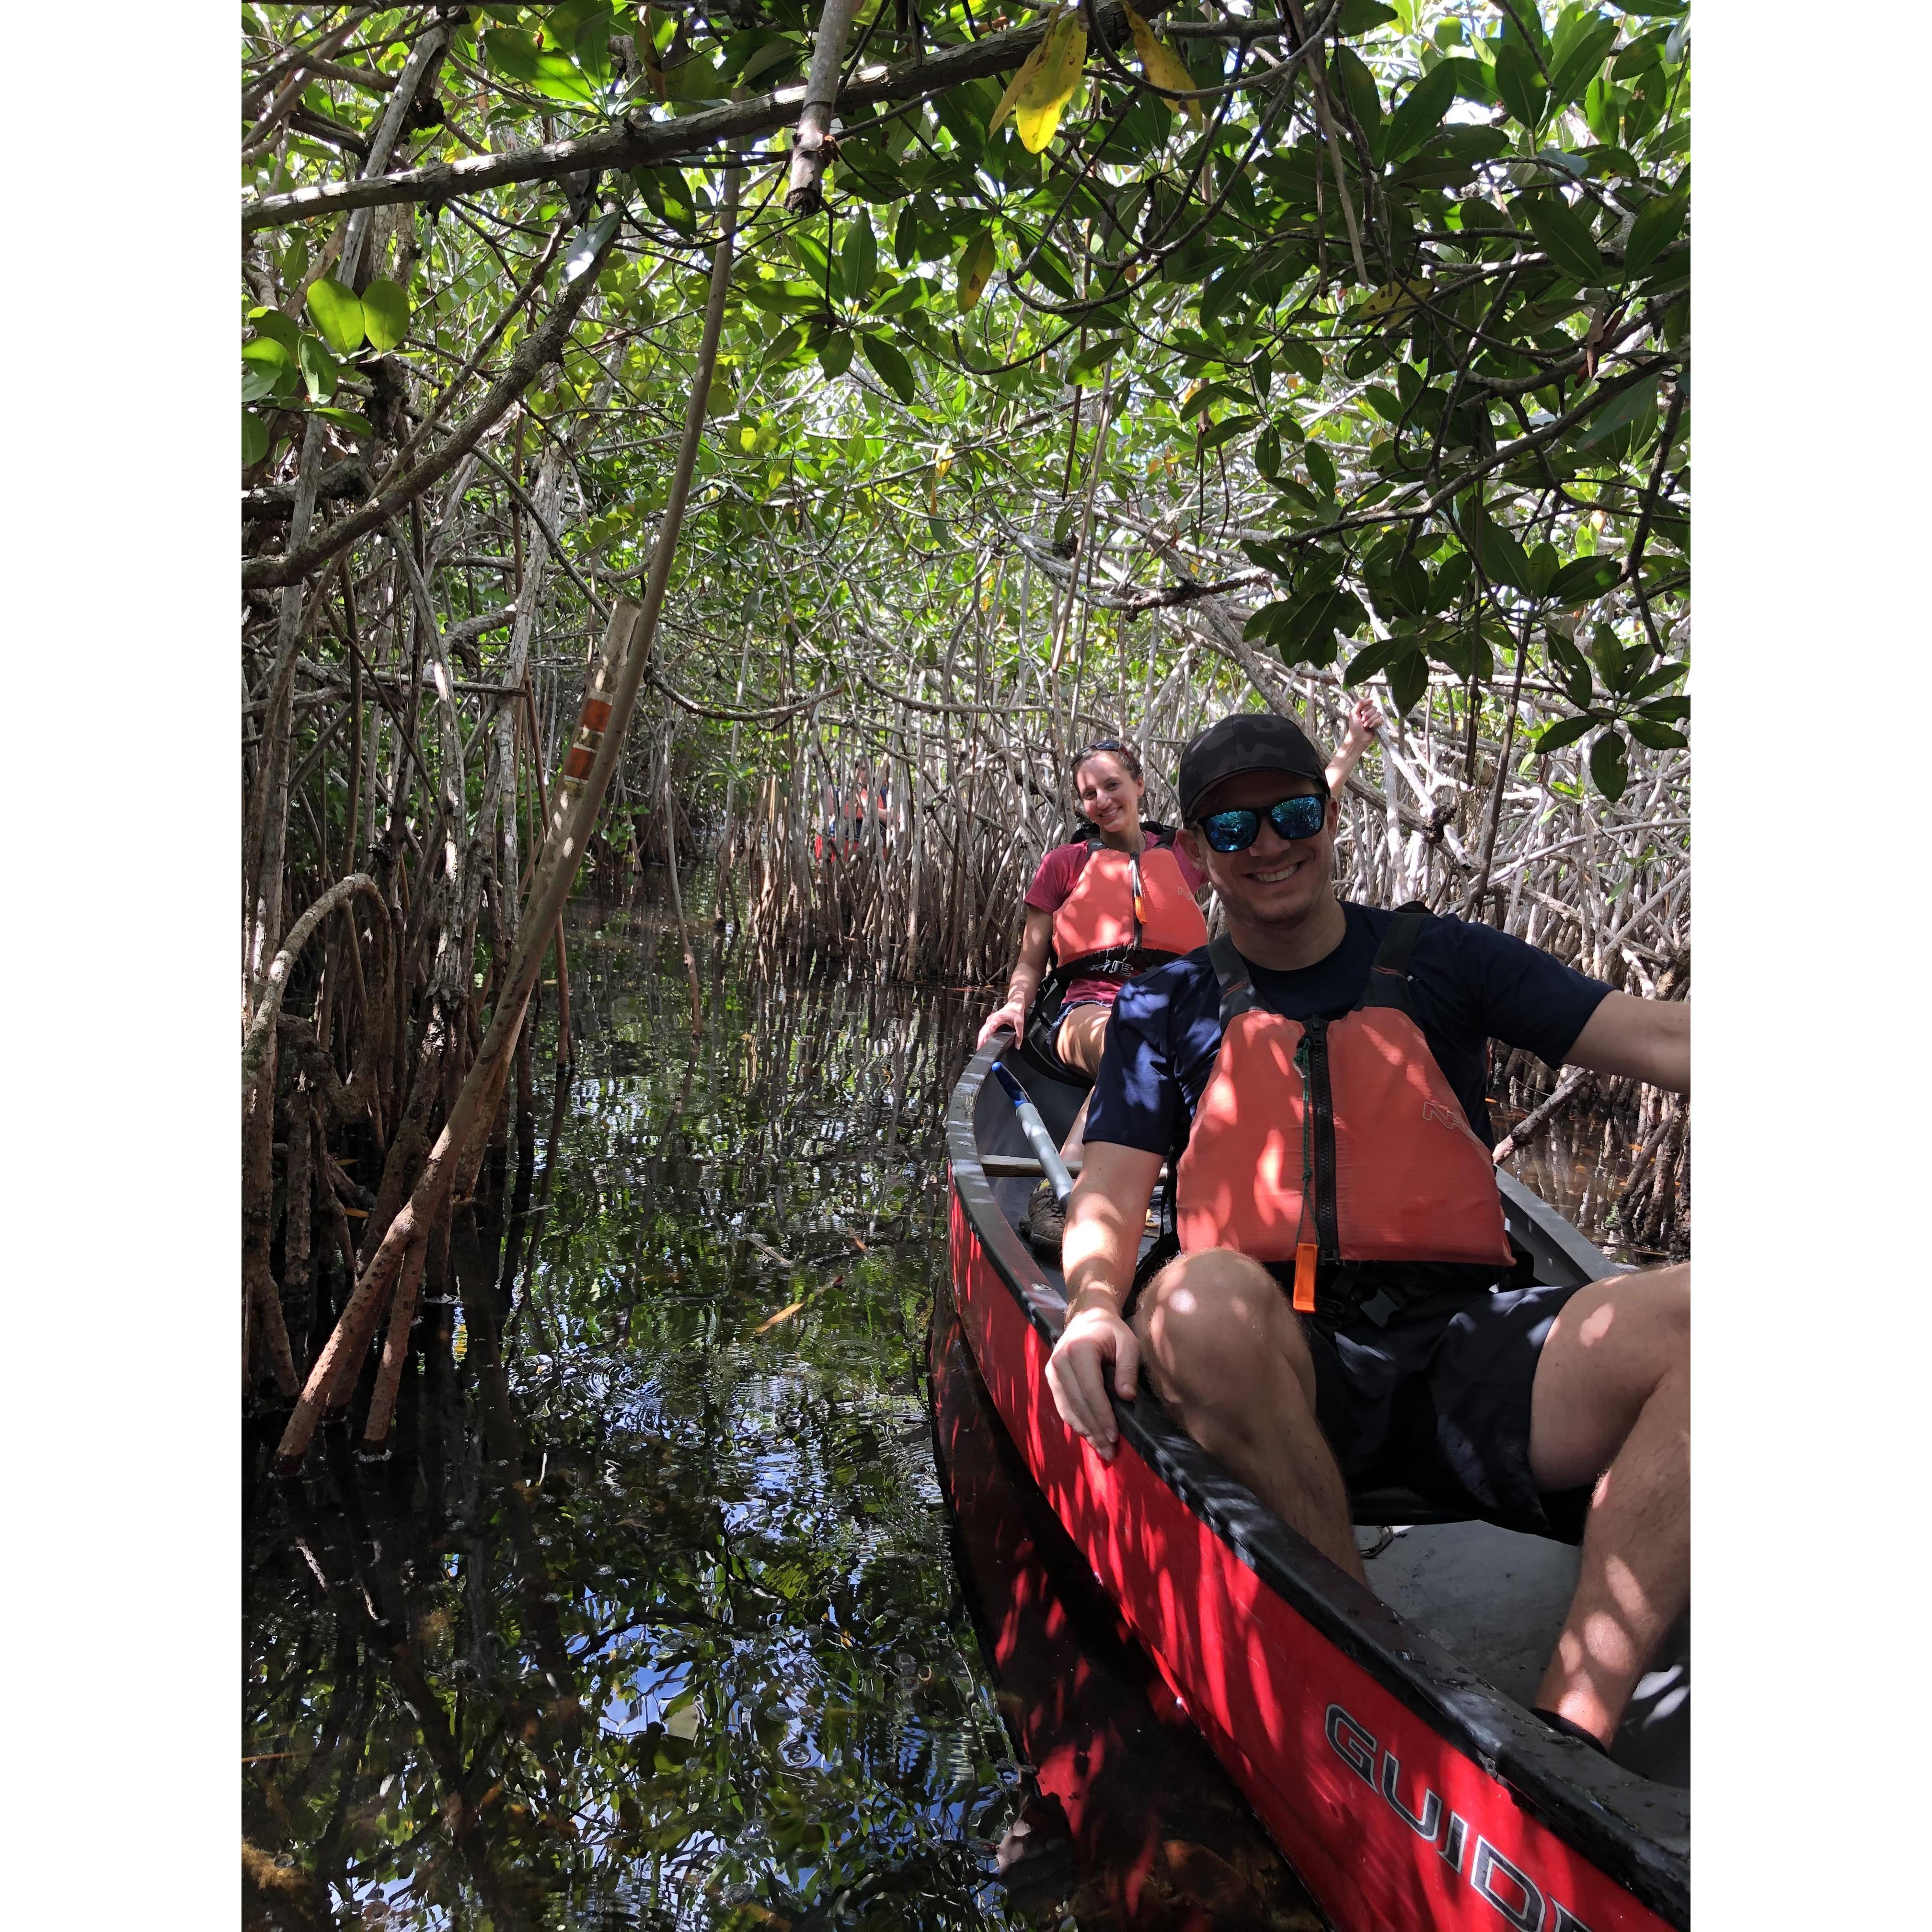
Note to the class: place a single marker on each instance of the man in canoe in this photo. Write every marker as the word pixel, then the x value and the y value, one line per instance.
pixel 1346 1312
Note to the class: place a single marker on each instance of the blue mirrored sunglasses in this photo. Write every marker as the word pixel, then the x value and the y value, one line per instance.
pixel 1299 818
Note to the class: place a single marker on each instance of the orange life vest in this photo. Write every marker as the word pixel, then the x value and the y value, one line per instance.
pixel 1126 904
pixel 1326 1141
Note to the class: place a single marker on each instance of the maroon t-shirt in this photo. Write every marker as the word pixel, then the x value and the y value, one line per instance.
pixel 1058 872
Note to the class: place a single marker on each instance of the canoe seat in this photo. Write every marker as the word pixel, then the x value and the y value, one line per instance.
pixel 1379 1508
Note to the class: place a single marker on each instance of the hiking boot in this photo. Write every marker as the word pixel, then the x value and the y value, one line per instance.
pixel 1045 1219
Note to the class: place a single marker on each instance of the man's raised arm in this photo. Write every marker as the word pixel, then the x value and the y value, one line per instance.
pixel 1105 1220
pixel 1648 1039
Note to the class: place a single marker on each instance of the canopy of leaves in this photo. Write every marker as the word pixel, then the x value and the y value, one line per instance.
pixel 1392 322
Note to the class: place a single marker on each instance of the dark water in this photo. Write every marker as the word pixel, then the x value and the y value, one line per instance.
pixel 663 1611
pixel 652 1618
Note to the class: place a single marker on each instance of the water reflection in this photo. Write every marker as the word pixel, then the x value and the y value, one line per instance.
pixel 648 1619
pixel 651 1617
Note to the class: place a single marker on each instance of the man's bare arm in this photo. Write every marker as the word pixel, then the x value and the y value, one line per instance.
pixel 1105 1219
pixel 1648 1039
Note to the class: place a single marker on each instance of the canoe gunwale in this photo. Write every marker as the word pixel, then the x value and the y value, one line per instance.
pixel 1636 1832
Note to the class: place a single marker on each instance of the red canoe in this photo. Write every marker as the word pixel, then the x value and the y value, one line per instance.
pixel 1129 1821
pixel 1381 1736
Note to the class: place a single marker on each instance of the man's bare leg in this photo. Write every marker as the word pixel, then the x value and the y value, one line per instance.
pixel 1613 1387
pixel 1226 1354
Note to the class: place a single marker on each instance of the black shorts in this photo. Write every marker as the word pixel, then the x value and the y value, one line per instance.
pixel 1437 1400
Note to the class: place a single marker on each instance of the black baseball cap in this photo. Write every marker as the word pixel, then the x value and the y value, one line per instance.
pixel 1250 741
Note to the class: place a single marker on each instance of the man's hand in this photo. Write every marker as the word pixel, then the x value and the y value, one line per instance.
pixel 1012 1014
pixel 1076 1371
pixel 1104 1220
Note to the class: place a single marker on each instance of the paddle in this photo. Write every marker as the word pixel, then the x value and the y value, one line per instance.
pixel 1050 1165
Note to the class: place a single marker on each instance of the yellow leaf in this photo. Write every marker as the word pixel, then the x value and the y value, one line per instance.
pixel 976 269
pixel 1036 96
pixel 783 1315
pixel 1162 65
pixel 1390 300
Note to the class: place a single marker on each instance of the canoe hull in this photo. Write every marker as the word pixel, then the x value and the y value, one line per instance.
pixel 1391 1824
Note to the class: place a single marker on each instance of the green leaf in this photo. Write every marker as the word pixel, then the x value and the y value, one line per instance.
pixel 385 315
pixel 1475 79
pixel 1609 768
pixel 1657 226
pixel 1658 737
pixel 891 367
pixel 337 312
pixel 512 52
pixel 557 78
pixel 1358 17
pixel 1358 85
pixel 1321 468
pixel 1565 731
pixel 1567 240
pixel 1569 664
pixel 1369 660
pixel 1302 357
pixel 834 353
pixel 1669 709
pixel 1408 585
pixel 1270 617
pixel 858 258
pixel 1085 369
pixel 320 371
pixel 1226 430
pixel 1580 51
pixel 270 352
pixel 254 438
pixel 1267 450
pixel 1308 635
pixel 275 326
pixel 1583 578
pixel 1503 559
pixel 591 46
pixel 1623 409
pixel 347 419
pixel 1407 679
pixel 1657 679
pixel 1419 116
pixel 1518 86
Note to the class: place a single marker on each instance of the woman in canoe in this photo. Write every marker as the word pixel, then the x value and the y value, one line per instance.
pixel 1119 902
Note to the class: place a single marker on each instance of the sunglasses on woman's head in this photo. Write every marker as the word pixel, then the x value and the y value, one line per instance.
pixel 1234 831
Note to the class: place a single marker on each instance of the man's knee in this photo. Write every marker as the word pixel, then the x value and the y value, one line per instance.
pixel 1218 1333
pixel 1659 1299
pixel 1621 1339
